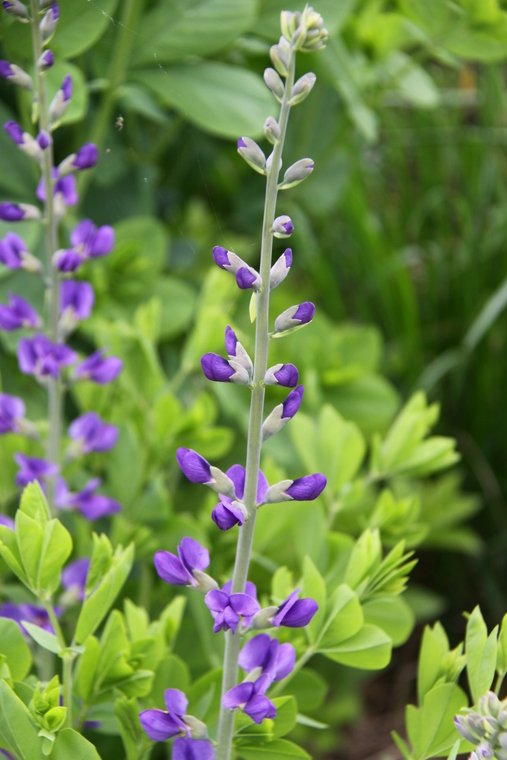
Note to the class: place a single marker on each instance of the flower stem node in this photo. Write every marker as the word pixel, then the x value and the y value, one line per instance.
pixel 16 8
pixel 49 22
pixel 274 83
pixel 253 155
pixel 282 227
pixel 302 88
pixel 296 173
pixel 16 75
pixel 271 130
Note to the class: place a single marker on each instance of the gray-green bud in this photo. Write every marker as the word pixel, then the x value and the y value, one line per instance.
pixel 296 173
pixel 280 59
pixel 289 22
pixel 16 8
pixel 271 130
pixel 302 88
pixel 274 83
pixel 253 155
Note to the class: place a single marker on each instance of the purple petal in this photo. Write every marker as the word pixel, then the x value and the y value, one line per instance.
pixel 86 157
pixel 292 402
pixel 238 695
pixel 43 138
pixel 159 725
pixel 171 569
pixel 6 69
pixel 300 613
pixel 193 555
pixel 285 607
pixel 67 187
pixel 305 312
pixel 14 131
pixel 103 242
pixel 287 376
pixel 216 601
pixel 192 749
pixel 100 369
pixel 255 652
pixel 221 257
pixel 230 341
pixel 260 707
pixel 67 87
pixel 95 434
pixel 244 605
pixel 67 260
pixel 307 488
pixel 237 474
pixel 83 233
pixel 226 516
pixel 246 278
pixel 11 410
pixel 11 212
pixel 194 466
pixel 216 368
pixel 75 574
pixel 285 661
pixel 175 701
pixel 33 468
pixel 78 296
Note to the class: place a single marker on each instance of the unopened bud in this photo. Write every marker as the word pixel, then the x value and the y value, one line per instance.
pixel 280 269
pixel 269 163
pixel 296 173
pixel 271 130
pixel 298 38
pixel 16 75
pixel 253 155
pixel 60 102
pixel 280 59
pixel 289 23
pixel 221 483
pixel 49 22
pixel 262 619
pixel 16 8
pixel 205 582
pixel 302 88
pixel 282 226
pixel 274 83
pixel 46 60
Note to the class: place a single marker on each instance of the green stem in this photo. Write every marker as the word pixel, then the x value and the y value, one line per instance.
pixel 55 393
pixel 246 533
pixel 67 662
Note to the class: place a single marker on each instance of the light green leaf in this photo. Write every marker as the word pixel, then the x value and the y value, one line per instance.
pixel 87 668
pixel 430 728
pixel 10 553
pixel 70 744
pixel 219 98
pixel 198 27
pixel 343 447
pixel 14 647
pixel 56 549
pixel 44 638
pixel 80 25
pixel 501 658
pixel 344 617
pixel 314 587
pixel 286 715
pixel 369 649
pixel 17 731
pixel 34 504
pixel 480 652
pixel 434 649
pixel 280 749
pixel 393 615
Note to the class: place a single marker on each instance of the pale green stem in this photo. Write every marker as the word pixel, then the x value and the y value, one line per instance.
pixel 67 662
pixel 55 390
pixel 246 533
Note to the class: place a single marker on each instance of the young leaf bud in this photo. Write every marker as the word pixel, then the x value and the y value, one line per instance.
pixel 252 154
pixel 16 8
pixel 271 130
pixel 302 88
pixel 296 173
pixel 282 226
pixel 274 83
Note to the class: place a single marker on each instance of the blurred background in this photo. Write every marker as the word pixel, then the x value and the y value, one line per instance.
pixel 400 239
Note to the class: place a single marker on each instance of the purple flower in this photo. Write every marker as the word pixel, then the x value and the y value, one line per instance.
pixel 33 468
pixel 76 300
pixel 17 212
pixel 286 375
pixel 186 569
pixel 19 313
pixel 283 226
pixel 295 316
pixel 64 188
pixel 90 241
pixel 220 370
pixel 192 749
pixel 295 612
pixel 250 697
pixel 23 140
pixel 46 60
pixel 230 511
pixel 12 411
pixel 92 434
pixel 14 255
pixel 44 139
pixel 40 357
pixel 7 522
pixel 198 470
pixel 15 75
pixel 306 488
pixel 282 413
pixel 248 279
pixel 74 577
pixel 267 656
pixel 92 505
pixel 161 725
pixel 280 269
pixel 229 609
pixel 99 368
pixel 85 158
pixel 29 613
pixel 67 260
pixel 14 131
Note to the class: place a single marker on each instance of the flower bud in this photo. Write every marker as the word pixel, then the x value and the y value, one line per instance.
pixel 18 212
pixel 221 483
pixel 289 22
pixel 15 75
pixel 252 154
pixel 227 514
pixel 227 260
pixel 298 38
pixel 282 413
pixel 282 226
pixel 61 100
pixel 295 316
pixel 271 130
pixel 262 619
pixel 204 581
pixel 280 269
pixel 296 173
pixel 46 60
pixel 280 59
pixel 236 351
pixel 285 375
pixel 44 139
pixel 306 488
pixel 220 370
pixel 302 88
pixel 248 279
pixel 23 140
pixel 16 8
pixel 274 83
pixel 269 163
pixel 49 22
pixel 85 158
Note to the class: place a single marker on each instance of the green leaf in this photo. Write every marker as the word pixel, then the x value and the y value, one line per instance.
pixel 98 604
pixel 430 728
pixel 219 98
pixel 286 715
pixel 314 587
pixel 369 649
pixel 280 749
pixel 343 448
pixel 501 658
pixel 80 25
pixel 393 615
pixel 434 649
pixel 309 688
pixel 14 647
pixel 17 732
pixel 344 618
pixel 34 504
pixel 85 677
pixel 198 27
pixel 480 652
pixel 134 738
pixel 56 549
pixel 70 744
pixel 30 536
pixel 44 638
pixel 137 620
pixel 10 553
